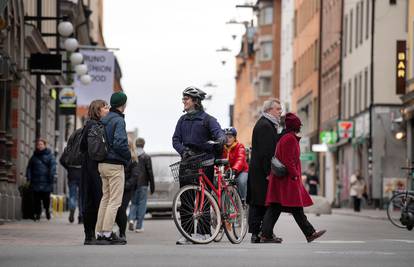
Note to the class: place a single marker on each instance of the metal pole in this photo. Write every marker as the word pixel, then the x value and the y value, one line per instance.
pixel 57 110
pixel 38 80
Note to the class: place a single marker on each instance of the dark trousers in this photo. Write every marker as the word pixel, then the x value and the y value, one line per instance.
pixel 90 196
pixel 187 207
pixel 357 203
pixel 39 198
pixel 272 215
pixel 256 214
pixel 121 216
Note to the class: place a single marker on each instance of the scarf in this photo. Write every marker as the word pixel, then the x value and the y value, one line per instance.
pixel 229 148
pixel 140 151
pixel 274 120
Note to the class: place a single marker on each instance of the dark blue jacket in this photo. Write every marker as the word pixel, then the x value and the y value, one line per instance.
pixel 117 138
pixel 41 171
pixel 193 132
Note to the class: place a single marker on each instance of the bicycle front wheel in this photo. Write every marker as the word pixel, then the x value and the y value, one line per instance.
pixel 396 206
pixel 197 220
pixel 234 218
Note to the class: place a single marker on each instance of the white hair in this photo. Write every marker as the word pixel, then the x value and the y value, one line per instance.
pixel 269 104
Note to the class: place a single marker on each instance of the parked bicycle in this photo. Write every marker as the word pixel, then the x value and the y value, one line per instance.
pixel 196 211
pixel 400 210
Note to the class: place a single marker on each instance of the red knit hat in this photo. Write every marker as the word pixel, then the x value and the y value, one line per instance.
pixel 292 122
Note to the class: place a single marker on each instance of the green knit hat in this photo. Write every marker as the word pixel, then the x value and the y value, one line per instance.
pixel 118 99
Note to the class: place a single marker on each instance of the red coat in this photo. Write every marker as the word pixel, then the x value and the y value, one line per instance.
pixel 236 154
pixel 287 191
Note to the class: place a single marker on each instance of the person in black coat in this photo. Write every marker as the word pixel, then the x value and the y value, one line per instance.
pixel 41 172
pixel 132 172
pixel 91 184
pixel 264 140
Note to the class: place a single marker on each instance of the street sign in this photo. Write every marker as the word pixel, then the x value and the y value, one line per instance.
pixel 401 68
pixel 345 129
pixel 45 64
pixel 308 156
pixel 67 101
pixel 328 137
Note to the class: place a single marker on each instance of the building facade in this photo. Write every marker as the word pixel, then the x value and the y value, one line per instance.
pixel 330 76
pixel 286 53
pixel 368 95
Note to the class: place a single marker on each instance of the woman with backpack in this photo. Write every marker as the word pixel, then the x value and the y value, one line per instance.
pixel 91 184
pixel 41 172
pixel 132 172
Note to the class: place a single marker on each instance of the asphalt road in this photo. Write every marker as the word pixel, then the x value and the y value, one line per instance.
pixel 350 241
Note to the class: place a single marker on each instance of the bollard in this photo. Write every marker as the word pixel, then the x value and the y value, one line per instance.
pixel 54 204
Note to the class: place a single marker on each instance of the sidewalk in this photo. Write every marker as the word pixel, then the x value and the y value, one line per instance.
pixel 375 214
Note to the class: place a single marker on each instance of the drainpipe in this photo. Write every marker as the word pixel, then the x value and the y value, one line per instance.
pixel 371 106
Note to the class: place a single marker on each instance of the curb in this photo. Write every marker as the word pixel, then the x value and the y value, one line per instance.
pixel 361 215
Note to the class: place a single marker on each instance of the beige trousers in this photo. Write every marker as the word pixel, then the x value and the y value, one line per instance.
pixel 113 179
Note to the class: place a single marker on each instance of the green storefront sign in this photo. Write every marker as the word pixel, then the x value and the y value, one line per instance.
pixel 328 137
pixel 308 156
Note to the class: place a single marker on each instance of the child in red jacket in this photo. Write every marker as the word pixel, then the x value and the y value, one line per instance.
pixel 236 154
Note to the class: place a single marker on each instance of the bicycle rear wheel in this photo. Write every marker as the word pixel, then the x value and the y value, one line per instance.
pixel 234 218
pixel 396 205
pixel 198 222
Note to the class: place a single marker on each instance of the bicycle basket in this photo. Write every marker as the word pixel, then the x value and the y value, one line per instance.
pixel 187 170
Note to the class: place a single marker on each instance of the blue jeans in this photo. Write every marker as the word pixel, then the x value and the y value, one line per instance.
pixel 241 181
pixel 138 206
pixel 74 196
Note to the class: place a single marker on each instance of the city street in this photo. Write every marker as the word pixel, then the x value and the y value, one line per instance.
pixel 350 241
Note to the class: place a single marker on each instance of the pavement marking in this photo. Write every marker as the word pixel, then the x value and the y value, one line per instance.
pixel 340 242
pixel 355 253
pixel 399 240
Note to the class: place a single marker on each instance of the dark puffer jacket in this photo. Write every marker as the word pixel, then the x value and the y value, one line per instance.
pixel 41 171
pixel 193 131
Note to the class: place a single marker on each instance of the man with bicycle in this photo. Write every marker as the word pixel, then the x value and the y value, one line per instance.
pixel 193 131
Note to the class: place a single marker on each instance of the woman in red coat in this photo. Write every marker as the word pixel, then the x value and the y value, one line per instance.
pixel 236 154
pixel 287 193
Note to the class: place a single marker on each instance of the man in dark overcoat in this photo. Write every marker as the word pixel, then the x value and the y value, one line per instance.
pixel 266 134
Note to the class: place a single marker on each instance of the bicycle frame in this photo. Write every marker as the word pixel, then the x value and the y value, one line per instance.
pixel 203 182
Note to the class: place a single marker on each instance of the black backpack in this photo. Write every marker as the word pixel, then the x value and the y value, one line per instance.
pixel 98 146
pixel 72 156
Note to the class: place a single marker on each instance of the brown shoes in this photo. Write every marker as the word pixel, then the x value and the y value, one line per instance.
pixel 273 239
pixel 315 235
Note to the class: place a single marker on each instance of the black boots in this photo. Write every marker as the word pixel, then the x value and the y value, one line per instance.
pixel 71 215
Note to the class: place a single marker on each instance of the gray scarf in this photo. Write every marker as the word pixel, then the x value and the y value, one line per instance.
pixel 140 151
pixel 273 119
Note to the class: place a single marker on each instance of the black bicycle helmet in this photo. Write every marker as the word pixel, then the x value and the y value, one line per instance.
pixel 230 131
pixel 194 92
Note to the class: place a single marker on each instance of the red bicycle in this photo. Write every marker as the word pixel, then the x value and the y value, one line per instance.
pixel 200 215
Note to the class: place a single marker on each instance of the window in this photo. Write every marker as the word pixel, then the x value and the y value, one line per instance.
pixel 357 26
pixel 266 51
pixel 348 100
pixel 356 94
pixel 351 18
pixel 366 87
pixel 367 23
pixel 343 106
pixel 266 16
pixel 361 31
pixel 360 93
pixel 265 86
pixel 345 34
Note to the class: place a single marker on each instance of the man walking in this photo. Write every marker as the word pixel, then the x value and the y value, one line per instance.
pixel 139 198
pixel 112 170
pixel 264 139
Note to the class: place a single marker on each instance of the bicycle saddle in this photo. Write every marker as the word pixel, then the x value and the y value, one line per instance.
pixel 221 162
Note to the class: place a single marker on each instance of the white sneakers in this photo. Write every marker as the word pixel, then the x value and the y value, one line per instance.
pixel 139 230
pixel 183 241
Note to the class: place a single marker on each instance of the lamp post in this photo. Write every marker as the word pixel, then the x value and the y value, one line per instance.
pixel 222 52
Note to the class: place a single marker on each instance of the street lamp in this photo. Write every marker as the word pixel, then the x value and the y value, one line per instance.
pixel 65 28
pixel 234 26
pixel 76 58
pixel 81 69
pixel 222 54
pixel 71 44
pixel 86 79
